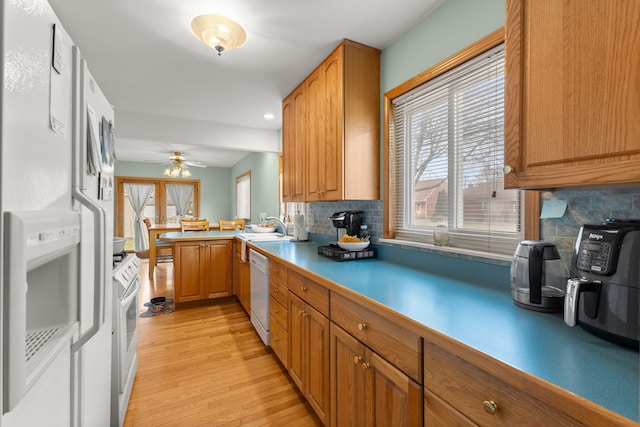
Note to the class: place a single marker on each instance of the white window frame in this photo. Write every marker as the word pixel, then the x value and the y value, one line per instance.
pixel 399 206
pixel 243 196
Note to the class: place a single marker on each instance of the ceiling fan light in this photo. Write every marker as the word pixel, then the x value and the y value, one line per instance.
pixel 218 32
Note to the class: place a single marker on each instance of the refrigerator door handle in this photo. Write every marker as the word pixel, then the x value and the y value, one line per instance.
pixel 100 235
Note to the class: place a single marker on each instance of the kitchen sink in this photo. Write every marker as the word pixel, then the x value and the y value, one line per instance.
pixel 265 237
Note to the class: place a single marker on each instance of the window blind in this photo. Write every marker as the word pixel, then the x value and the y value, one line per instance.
pixel 447 146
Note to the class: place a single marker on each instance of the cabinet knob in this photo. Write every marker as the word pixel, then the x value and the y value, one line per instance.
pixel 365 366
pixel 362 326
pixel 506 169
pixel 301 312
pixel 303 288
pixel 276 269
pixel 305 314
pixel 490 406
pixel 276 311
pixel 357 360
pixel 275 291
pixel 276 339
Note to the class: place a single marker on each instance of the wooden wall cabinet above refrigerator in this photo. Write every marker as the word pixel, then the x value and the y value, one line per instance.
pixel 572 84
pixel 331 142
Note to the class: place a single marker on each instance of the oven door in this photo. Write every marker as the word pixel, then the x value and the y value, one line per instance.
pixel 127 330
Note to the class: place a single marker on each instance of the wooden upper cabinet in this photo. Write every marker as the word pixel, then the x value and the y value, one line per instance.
pixel 572 105
pixel 341 125
pixel 293 146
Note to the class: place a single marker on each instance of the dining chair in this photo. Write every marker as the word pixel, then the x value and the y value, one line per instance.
pixel 195 225
pixel 164 249
pixel 227 225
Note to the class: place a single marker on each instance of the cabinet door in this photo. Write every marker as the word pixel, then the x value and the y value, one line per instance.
pixel 572 84
pixel 293 146
pixel 242 277
pixel 296 342
pixel 317 361
pixel 333 172
pixel 348 385
pixel 217 269
pixel 393 399
pixel 316 143
pixel 187 274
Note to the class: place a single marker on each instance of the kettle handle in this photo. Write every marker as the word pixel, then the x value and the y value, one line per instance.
pixel 536 254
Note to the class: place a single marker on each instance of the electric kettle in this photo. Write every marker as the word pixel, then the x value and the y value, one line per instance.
pixel 538 276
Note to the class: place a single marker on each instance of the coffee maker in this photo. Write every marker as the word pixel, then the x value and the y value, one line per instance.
pixel 347 222
pixel 603 293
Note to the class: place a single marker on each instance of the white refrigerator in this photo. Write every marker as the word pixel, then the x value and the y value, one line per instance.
pixel 56 198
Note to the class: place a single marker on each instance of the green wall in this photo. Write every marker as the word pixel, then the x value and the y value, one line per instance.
pixel 450 28
pixel 264 183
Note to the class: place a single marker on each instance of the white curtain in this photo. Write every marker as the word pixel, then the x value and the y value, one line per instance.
pixel 139 195
pixel 180 194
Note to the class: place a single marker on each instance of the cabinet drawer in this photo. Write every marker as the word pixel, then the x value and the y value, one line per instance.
pixel 399 346
pixel 469 389
pixel 308 290
pixel 278 271
pixel 279 340
pixel 438 413
pixel 278 291
pixel 278 312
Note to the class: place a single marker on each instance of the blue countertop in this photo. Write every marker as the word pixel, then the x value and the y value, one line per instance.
pixel 486 319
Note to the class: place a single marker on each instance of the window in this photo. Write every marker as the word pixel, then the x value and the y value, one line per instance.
pixel 243 196
pixel 445 147
pixel 159 208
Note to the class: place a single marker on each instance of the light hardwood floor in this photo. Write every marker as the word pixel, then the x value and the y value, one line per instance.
pixel 206 366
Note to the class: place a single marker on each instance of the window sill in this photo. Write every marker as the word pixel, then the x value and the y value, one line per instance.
pixel 487 257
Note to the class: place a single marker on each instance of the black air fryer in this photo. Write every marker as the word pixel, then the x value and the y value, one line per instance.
pixel 603 292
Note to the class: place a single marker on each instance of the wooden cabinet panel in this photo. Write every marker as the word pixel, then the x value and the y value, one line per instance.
pixel 316 141
pixel 293 146
pixel 278 291
pixel 341 126
pixel 348 384
pixel 218 268
pixel 187 271
pixel 570 116
pixel 470 389
pixel 279 312
pixel 279 340
pixel 243 284
pixel 278 271
pixel 367 390
pixel 309 354
pixel 438 413
pixel 310 291
pixel 202 270
pixel 396 344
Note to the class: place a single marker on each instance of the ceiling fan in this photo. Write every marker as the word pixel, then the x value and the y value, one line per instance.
pixel 178 166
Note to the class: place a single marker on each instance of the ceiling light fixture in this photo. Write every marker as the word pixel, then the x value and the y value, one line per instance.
pixel 177 167
pixel 218 32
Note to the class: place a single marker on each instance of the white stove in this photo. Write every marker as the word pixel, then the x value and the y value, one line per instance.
pixel 126 285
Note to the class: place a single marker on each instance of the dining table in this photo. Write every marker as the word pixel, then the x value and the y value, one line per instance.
pixel 154 231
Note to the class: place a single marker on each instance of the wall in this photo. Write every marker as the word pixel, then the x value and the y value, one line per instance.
pixel 264 183
pixel 215 184
pixel 449 29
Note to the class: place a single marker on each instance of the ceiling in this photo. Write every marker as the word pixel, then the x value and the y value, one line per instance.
pixel 173 93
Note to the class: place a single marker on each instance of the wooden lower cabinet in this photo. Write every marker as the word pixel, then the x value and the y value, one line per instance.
pixel 243 279
pixel 366 390
pixel 202 270
pixel 309 354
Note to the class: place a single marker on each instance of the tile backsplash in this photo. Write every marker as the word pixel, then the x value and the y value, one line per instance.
pixel 584 206
pixel 587 206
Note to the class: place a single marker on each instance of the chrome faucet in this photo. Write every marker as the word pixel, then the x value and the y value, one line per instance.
pixel 280 223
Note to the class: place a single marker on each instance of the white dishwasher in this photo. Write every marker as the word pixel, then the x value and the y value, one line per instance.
pixel 260 294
